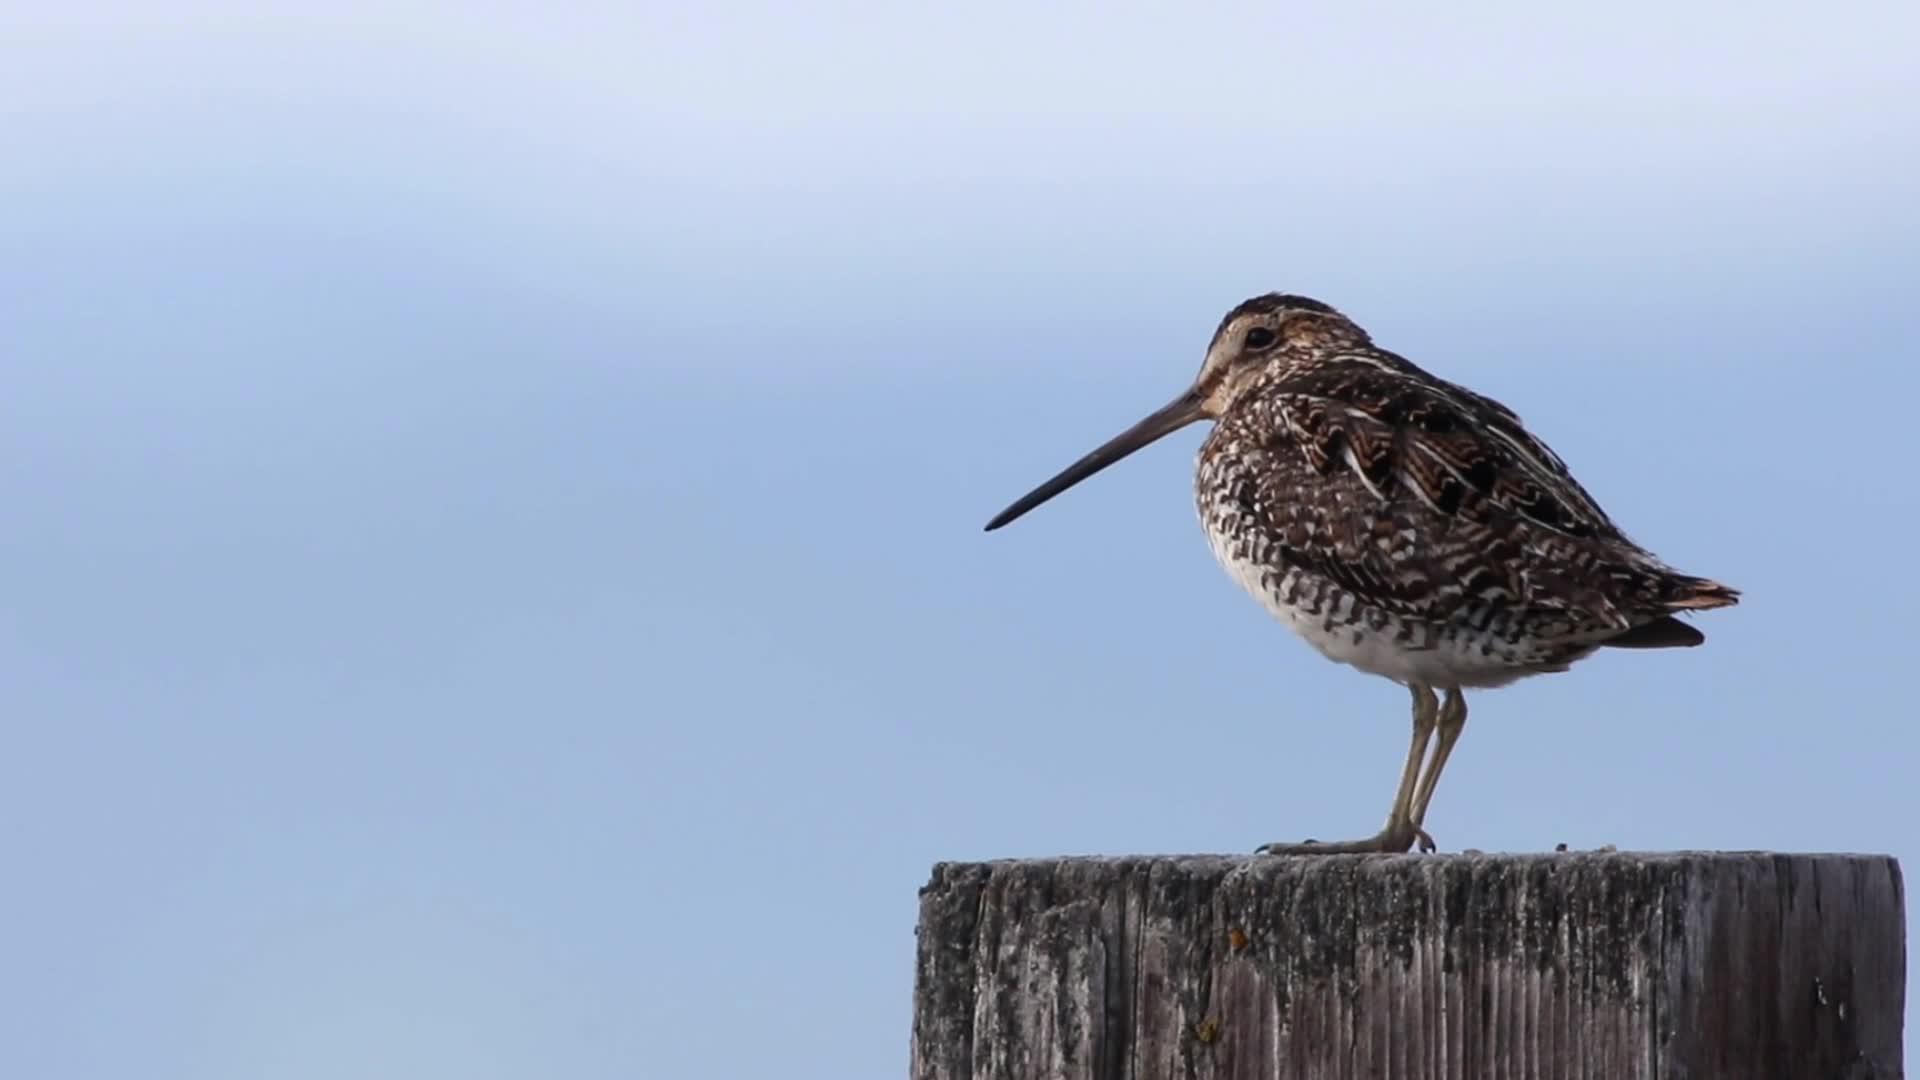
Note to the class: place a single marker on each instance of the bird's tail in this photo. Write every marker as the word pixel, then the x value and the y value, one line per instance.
pixel 1684 593
pixel 1678 592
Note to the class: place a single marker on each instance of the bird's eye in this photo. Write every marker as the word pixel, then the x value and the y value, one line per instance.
pixel 1259 338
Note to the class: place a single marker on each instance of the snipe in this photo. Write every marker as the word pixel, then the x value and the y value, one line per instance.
pixel 1401 524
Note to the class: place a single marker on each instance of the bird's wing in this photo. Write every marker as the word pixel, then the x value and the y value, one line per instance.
pixel 1464 455
pixel 1430 501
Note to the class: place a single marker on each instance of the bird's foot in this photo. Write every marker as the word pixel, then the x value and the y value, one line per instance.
pixel 1393 840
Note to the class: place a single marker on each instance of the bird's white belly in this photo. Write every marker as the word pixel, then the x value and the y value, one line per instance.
pixel 1343 634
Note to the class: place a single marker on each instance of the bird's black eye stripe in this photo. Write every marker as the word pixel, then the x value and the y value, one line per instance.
pixel 1259 338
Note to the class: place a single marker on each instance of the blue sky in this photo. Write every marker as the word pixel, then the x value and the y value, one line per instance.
pixel 493 498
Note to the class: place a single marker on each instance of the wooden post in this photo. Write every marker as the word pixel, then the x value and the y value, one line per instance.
pixel 1705 966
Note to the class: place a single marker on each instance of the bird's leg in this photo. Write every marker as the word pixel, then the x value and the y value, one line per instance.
pixel 1453 720
pixel 1400 820
pixel 1401 829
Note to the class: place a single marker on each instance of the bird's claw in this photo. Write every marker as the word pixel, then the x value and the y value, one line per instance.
pixel 1389 842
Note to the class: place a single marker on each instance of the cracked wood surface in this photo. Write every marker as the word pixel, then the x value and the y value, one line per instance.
pixel 1609 965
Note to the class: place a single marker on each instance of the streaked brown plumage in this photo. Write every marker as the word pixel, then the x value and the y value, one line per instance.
pixel 1401 524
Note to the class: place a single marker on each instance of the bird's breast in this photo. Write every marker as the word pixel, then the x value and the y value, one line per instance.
pixel 1346 627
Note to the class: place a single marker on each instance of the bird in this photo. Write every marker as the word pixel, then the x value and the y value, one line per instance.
pixel 1403 525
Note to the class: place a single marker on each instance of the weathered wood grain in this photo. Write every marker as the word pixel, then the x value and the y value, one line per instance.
pixel 1745 966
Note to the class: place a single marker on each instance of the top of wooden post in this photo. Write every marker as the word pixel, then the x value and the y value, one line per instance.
pixel 1590 964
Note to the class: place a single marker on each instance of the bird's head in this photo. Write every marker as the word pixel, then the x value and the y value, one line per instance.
pixel 1256 337
pixel 1260 335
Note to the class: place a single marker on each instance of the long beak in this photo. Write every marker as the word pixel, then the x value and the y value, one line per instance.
pixel 1166 420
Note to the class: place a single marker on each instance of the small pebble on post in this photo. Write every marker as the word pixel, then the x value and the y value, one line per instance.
pixel 1609 966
